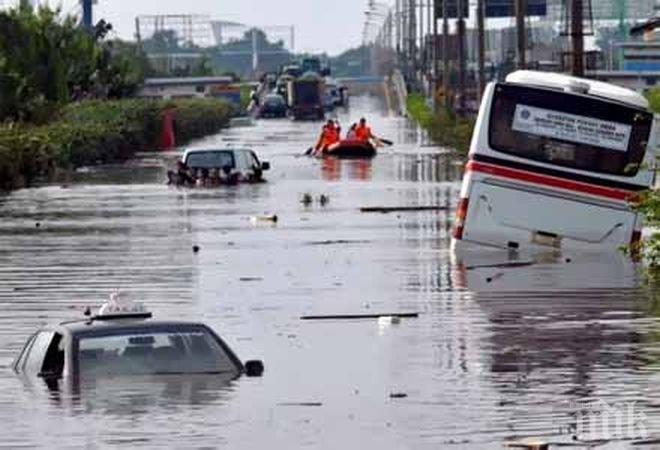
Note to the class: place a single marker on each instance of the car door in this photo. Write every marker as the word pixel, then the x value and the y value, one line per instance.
pixel 255 164
pixel 243 166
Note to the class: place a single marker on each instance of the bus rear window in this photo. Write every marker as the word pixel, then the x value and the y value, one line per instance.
pixel 568 129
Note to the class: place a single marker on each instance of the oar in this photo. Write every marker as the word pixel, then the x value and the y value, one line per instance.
pixel 386 141
pixel 308 151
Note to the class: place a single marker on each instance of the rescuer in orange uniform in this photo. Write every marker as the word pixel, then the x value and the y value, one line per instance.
pixel 363 132
pixel 329 135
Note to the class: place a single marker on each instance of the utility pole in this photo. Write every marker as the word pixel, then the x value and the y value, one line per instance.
pixel 255 52
pixel 445 52
pixel 460 24
pixel 481 37
pixel 87 17
pixel 521 33
pixel 577 37
pixel 397 18
pixel 428 45
pixel 422 60
pixel 622 13
pixel 138 37
pixel 412 37
pixel 405 45
pixel 434 55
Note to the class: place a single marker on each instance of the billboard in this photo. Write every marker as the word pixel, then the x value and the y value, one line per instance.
pixel 507 8
pixel 608 9
pixel 452 9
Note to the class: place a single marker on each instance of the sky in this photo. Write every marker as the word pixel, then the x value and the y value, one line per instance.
pixel 330 26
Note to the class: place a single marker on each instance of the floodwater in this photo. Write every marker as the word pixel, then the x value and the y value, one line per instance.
pixel 499 352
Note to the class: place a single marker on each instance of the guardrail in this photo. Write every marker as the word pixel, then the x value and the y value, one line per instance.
pixel 400 89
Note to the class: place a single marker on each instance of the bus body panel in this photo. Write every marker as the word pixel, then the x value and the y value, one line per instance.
pixel 512 201
pixel 495 217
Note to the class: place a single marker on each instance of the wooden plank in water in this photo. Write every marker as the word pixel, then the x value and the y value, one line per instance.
pixel 360 316
pixel 389 209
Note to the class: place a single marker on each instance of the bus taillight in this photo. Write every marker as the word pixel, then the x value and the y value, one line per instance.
pixel 461 214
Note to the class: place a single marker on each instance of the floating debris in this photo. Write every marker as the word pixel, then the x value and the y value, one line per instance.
pixel 529 445
pixel 398 395
pixel 300 404
pixel 360 316
pixel 339 242
pixel 306 199
pixel 504 265
pixel 389 209
pixel 264 219
pixel 389 320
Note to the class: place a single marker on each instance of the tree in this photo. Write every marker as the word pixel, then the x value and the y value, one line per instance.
pixel 46 60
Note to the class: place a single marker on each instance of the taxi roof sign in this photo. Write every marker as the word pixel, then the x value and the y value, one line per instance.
pixel 117 308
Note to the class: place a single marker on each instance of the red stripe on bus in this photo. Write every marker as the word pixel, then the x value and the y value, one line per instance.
pixel 561 183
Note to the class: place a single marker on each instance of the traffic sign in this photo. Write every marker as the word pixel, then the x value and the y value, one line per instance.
pixel 506 8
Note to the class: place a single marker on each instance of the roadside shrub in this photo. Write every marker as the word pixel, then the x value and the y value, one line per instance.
pixel 97 132
pixel 195 118
pixel 444 128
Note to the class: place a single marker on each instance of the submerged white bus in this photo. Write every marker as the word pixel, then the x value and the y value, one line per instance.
pixel 555 161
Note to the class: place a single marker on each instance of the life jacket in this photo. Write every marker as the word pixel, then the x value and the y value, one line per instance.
pixel 332 135
pixel 363 133
pixel 328 137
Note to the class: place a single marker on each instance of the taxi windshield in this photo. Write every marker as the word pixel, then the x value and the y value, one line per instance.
pixel 153 352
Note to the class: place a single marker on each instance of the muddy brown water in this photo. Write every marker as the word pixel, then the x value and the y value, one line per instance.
pixel 499 352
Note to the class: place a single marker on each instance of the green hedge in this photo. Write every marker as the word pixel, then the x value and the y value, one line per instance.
pixel 95 132
pixel 444 128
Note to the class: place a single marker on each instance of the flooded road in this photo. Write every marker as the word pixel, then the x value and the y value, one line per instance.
pixel 499 352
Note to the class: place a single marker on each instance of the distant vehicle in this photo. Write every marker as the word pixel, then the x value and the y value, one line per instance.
pixel 282 85
pixel 328 101
pixel 121 340
pixel 242 165
pixel 343 95
pixel 554 162
pixel 311 64
pixel 306 97
pixel 292 70
pixel 273 105
pixel 270 79
pixel 334 92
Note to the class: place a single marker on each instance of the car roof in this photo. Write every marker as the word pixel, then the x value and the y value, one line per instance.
pixel 205 150
pixel 91 326
pixel 595 88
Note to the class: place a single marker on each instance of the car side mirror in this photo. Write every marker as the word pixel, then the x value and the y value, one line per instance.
pixel 254 368
pixel 265 165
